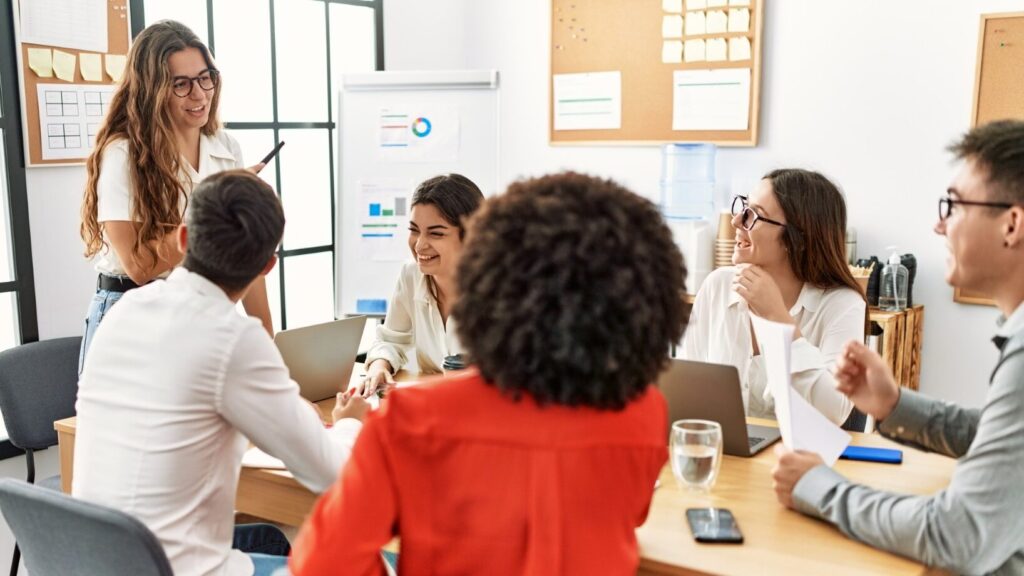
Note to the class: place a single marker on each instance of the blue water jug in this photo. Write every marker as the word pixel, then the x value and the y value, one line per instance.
pixel 688 181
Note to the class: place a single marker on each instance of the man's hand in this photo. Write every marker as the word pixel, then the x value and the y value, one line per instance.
pixel 790 468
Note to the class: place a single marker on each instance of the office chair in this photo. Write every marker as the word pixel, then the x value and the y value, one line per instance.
pixel 61 535
pixel 38 385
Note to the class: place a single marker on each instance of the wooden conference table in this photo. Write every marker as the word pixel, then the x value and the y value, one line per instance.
pixel 777 540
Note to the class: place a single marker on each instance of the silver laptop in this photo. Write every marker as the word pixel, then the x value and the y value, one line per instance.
pixel 712 392
pixel 320 357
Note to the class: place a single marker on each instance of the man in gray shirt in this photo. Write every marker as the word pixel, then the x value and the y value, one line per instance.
pixel 976 525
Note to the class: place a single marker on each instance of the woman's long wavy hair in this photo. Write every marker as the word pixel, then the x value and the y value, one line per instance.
pixel 139 114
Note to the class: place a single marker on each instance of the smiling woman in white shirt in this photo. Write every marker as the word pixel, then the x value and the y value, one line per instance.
pixel 418 316
pixel 790 267
pixel 161 137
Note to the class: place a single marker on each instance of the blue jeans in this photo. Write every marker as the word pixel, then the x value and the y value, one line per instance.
pixel 266 546
pixel 98 308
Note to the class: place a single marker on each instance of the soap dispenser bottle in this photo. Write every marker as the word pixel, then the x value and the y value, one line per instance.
pixel 892 295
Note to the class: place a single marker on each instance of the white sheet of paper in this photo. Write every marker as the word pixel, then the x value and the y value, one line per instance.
pixel 383 218
pixel 675 6
pixel 693 51
pixel 717 22
pixel 711 99
pixel 716 49
pixel 672 26
pixel 803 427
pixel 78 24
pixel 739 2
pixel 69 118
pixel 694 23
pixel 256 458
pixel 696 4
pixel 672 51
pixel 739 20
pixel 588 101
pixel 739 49
pixel 716 3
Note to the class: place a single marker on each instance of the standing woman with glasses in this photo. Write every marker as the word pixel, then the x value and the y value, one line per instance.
pixel 160 138
pixel 790 267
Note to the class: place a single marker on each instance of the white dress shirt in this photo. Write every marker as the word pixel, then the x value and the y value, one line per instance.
pixel 414 321
pixel 217 153
pixel 719 332
pixel 175 385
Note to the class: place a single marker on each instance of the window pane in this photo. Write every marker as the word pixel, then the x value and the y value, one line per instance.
pixel 6 260
pixel 191 13
pixel 352 42
pixel 255 144
pixel 306 188
pixel 300 38
pixel 9 331
pixel 309 283
pixel 243 56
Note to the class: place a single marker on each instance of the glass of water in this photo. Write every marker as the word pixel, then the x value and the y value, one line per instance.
pixel 696 453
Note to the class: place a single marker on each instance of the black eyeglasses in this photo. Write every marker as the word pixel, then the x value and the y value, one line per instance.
pixel 747 216
pixel 182 85
pixel 946 206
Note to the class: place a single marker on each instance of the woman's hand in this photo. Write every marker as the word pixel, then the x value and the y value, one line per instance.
pixel 255 168
pixel 349 405
pixel 378 375
pixel 761 292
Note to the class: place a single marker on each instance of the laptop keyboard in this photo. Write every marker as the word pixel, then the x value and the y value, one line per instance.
pixel 754 441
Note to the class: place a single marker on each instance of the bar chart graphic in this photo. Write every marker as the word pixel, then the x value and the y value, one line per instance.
pixel 383 220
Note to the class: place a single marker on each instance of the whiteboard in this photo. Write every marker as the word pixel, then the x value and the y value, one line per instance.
pixel 395 130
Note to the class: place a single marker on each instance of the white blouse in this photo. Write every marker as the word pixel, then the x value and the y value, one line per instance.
pixel 217 153
pixel 414 321
pixel 719 332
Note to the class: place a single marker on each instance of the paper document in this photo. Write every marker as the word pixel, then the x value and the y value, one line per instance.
pixel 696 4
pixel 384 219
pixel 78 24
pixel 419 133
pixel 716 3
pixel 256 458
pixel 672 52
pixel 695 23
pixel 675 6
pixel 716 49
pixel 588 101
pixel 694 51
pixel 739 20
pixel 711 99
pixel 69 118
pixel 717 22
pixel 739 49
pixel 40 60
pixel 739 2
pixel 672 26
pixel 803 427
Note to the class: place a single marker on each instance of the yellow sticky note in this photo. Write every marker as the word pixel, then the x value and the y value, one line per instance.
pixel 674 6
pixel 115 65
pixel 694 23
pixel 739 2
pixel 716 3
pixel 693 51
pixel 64 65
pixel 739 49
pixel 717 22
pixel 716 49
pixel 672 26
pixel 40 60
pixel 696 4
pixel 739 20
pixel 92 67
pixel 672 51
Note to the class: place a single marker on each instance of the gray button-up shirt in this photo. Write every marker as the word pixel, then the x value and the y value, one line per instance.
pixel 976 524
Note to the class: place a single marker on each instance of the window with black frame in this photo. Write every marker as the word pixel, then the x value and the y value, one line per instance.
pixel 281 63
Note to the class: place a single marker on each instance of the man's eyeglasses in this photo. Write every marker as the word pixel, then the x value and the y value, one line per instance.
pixel 946 205
pixel 182 85
pixel 747 215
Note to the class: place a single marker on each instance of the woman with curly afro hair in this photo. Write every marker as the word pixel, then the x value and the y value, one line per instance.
pixel 542 458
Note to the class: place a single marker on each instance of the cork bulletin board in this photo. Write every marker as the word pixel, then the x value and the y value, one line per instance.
pixel 664 67
pixel 998 87
pixel 60 119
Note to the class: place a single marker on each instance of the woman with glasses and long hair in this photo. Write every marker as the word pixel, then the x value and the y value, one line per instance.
pixel 790 267
pixel 160 138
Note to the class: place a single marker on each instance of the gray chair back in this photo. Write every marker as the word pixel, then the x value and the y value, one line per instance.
pixel 38 385
pixel 62 536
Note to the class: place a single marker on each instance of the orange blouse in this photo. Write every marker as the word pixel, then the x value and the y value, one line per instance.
pixel 476 483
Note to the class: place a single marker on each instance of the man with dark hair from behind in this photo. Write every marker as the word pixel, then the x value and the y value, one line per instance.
pixel 177 383
pixel 976 525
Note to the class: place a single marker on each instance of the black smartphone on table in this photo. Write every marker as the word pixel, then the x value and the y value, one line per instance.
pixel 713 525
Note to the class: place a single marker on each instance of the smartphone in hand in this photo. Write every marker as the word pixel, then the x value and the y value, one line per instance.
pixel 270 156
pixel 713 525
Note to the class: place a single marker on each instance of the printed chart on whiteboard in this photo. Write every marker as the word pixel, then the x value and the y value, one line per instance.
pixel 70 116
pixel 384 219
pixel 418 135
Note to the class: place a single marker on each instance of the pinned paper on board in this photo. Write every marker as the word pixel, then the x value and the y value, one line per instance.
pixel 696 4
pixel 716 3
pixel 70 117
pixel 64 65
pixel 739 49
pixel 739 20
pixel 802 426
pixel 421 134
pixel 91 66
pixel 383 219
pixel 672 51
pixel 588 101
pixel 716 49
pixel 717 22
pixel 711 99
pixel 675 6
pixel 115 64
pixel 75 24
pixel 694 51
pixel 739 2
pixel 695 23
pixel 40 60
pixel 672 26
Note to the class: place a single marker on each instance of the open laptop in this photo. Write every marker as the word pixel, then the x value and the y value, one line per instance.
pixel 712 392
pixel 320 357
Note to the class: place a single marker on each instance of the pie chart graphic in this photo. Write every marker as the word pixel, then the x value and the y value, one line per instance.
pixel 421 127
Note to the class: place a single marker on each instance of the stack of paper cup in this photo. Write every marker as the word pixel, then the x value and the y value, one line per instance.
pixel 725 242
